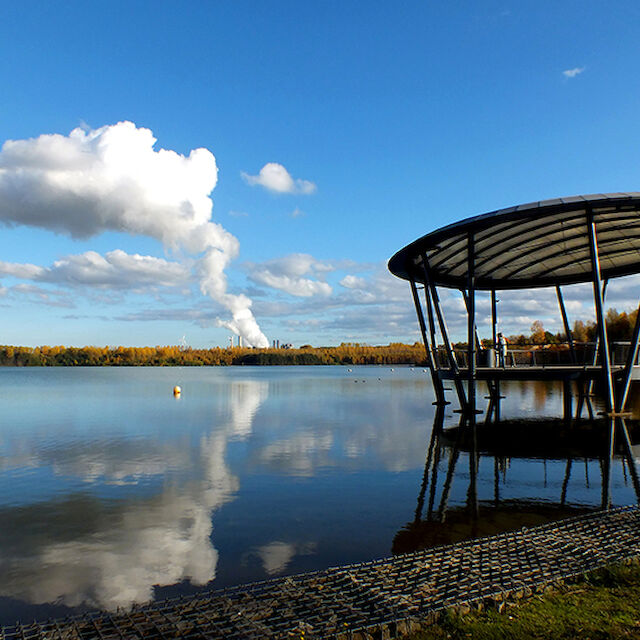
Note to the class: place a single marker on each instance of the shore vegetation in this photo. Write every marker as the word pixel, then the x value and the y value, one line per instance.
pixel 601 604
pixel 345 354
pixel 619 328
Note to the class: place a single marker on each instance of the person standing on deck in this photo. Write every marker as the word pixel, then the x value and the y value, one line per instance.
pixel 502 350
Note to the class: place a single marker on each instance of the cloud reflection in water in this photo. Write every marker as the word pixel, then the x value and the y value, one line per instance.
pixel 110 553
pixel 116 510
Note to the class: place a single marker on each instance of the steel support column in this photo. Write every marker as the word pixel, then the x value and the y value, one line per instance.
pixel 599 304
pixel 432 324
pixel 444 333
pixel 596 348
pixel 589 385
pixel 465 297
pixel 628 369
pixel 604 353
pixel 437 382
pixel 471 329
pixel 565 322
pixel 492 385
pixel 495 391
pixel 471 371
pixel 494 319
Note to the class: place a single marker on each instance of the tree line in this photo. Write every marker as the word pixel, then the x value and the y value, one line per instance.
pixel 345 354
pixel 619 328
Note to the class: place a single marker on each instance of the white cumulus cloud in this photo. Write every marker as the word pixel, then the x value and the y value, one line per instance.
pixel 572 73
pixel 112 179
pixel 22 271
pixel 353 282
pixel 301 287
pixel 116 269
pixel 275 177
pixel 290 274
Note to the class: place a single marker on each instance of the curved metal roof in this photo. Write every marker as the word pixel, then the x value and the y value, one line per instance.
pixel 540 244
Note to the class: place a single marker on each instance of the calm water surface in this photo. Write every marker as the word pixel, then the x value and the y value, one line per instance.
pixel 113 491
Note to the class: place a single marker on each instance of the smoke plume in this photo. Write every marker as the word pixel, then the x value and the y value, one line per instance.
pixel 112 179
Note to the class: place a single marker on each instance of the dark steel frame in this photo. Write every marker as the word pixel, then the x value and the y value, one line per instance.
pixel 452 238
pixel 422 273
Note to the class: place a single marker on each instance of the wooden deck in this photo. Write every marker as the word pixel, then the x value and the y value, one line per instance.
pixel 539 372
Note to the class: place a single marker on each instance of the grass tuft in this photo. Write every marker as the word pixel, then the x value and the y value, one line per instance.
pixel 601 604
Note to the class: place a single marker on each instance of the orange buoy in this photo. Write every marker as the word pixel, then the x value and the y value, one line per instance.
pixel 177 390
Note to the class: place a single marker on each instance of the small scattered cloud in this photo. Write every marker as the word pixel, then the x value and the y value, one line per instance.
pixel 337 300
pixel 572 73
pixel 368 303
pixel 376 307
pixel 77 316
pixel 353 282
pixel 21 271
pixel 298 264
pixel 115 270
pixel 274 177
pixel 202 318
pixel 291 275
pixel 39 295
pixel 297 213
pixel 238 214
pixel 300 287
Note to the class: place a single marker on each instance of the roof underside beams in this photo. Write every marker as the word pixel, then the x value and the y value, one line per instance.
pixel 536 248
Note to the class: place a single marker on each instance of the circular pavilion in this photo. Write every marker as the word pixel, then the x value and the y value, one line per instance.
pixel 541 244
pixel 550 243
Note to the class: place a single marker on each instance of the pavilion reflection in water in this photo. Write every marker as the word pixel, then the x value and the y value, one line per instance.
pixel 547 244
pixel 489 451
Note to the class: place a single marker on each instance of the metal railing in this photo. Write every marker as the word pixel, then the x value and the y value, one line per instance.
pixel 558 354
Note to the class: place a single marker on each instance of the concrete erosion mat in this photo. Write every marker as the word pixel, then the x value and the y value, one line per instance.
pixel 379 599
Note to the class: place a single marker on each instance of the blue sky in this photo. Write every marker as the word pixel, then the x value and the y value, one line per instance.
pixel 376 122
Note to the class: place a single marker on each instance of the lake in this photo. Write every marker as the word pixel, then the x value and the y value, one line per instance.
pixel 113 491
